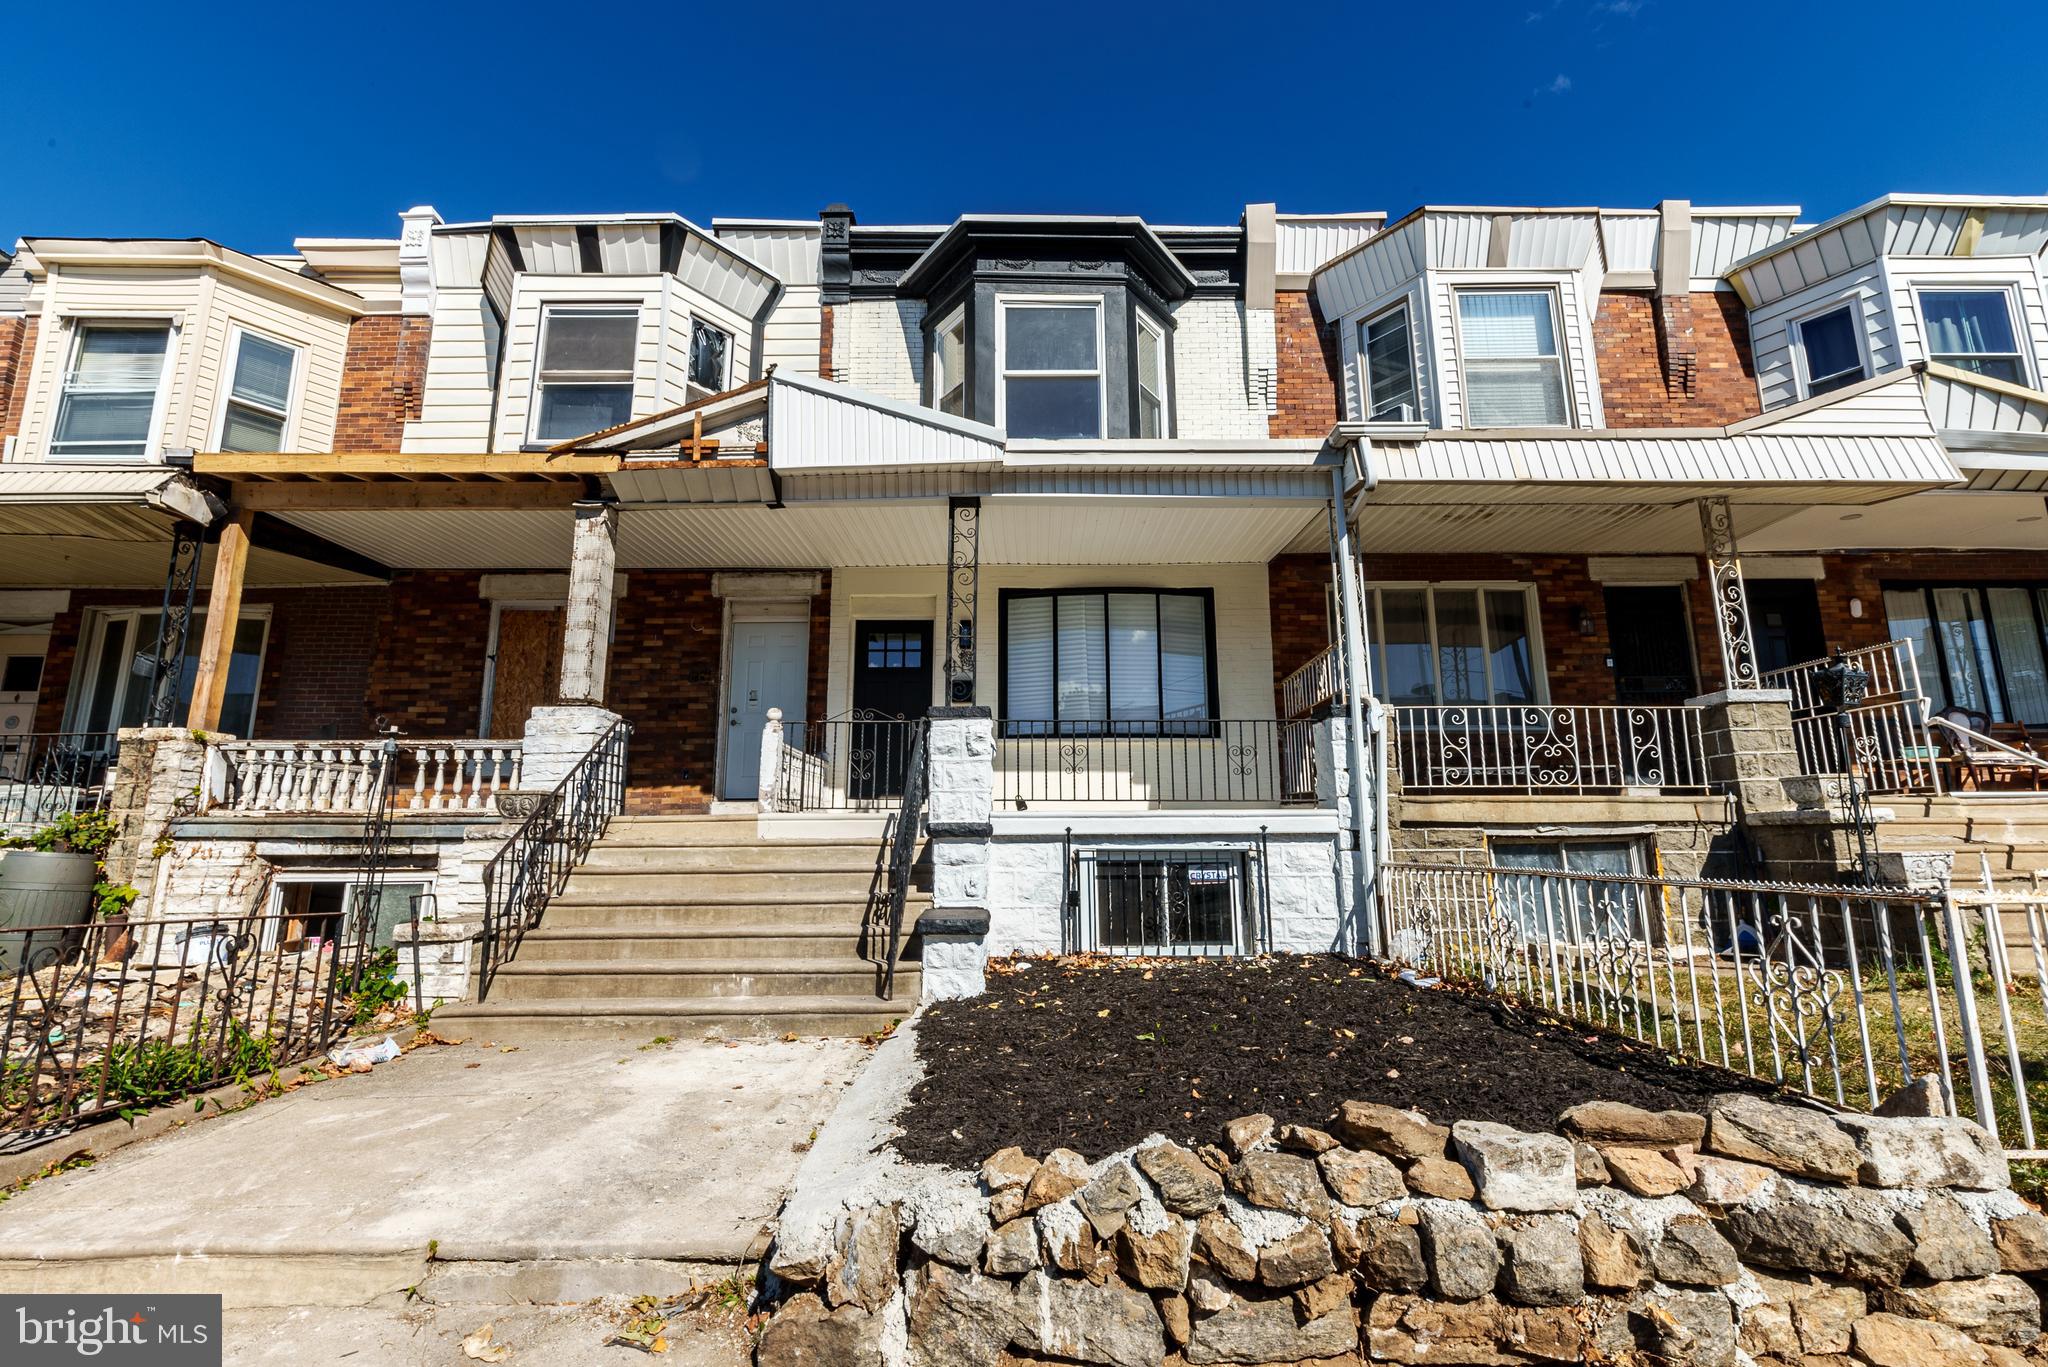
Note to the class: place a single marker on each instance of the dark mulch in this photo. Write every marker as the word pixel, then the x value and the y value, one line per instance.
pixel 1095 1054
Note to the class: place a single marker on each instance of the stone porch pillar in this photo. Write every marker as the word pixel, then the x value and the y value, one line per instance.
pixel 959 811
pixel 587 626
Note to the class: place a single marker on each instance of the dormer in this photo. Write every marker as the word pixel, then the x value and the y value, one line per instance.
pixel 1470 317
pixel 1953 283
pixel 1057 327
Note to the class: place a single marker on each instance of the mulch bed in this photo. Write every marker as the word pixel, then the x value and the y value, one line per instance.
pixel 1095 1054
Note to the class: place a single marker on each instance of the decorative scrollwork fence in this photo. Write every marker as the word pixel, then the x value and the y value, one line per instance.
pixel 1844 993
pixel 1539 748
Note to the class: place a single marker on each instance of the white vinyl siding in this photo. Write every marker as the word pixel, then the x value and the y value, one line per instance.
pixel 1774 332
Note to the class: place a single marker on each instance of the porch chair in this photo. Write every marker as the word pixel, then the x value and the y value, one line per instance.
pixel 1974 763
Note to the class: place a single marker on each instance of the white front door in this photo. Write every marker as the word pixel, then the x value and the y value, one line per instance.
pixel 767 671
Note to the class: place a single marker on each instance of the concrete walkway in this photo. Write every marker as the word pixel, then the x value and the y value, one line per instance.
pixel 475 1173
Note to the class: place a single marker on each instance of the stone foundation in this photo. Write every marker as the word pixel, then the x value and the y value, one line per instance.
pixel 1757 1233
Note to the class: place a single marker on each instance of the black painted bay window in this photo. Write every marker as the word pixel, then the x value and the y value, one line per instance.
pixel 1120 662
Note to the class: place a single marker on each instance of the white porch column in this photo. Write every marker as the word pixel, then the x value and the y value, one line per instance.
pixel 1731 600
pixel 1363 914
pixel 587 631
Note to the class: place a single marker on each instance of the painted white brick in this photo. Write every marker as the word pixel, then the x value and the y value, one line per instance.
pixel 878 345
pixel 1212 389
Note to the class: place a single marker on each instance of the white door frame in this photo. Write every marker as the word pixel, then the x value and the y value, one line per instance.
pixel 764 597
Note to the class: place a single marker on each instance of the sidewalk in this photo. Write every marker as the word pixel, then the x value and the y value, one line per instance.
pixel 475 1173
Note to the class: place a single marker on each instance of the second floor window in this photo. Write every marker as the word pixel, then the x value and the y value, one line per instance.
pixel 585 377
pixel 1833 358
pixel 1050 355
pixel 710 352
pixel 1388 358
pixel 1972 330
pixel 1151 378
pixel 259 395
pixel 1514 373
pixel 949 364
pixel 110 390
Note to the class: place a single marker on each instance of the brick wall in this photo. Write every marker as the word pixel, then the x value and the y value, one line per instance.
pixel 1640 386
pixel 1862 575
pixel 878 345
pixel 383 379
pixel 17 358
pixel 1212 393
pixel 1295 587
pixel 316 661
pixel 1311 368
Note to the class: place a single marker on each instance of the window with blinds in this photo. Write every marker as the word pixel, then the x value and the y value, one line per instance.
pixel 586 370
pixel 259 395
pixel 110 390
pixel 1972 330
pixel 1107 662
pixel 1513 369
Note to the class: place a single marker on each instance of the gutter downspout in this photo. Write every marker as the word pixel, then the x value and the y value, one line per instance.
pixel 1364 829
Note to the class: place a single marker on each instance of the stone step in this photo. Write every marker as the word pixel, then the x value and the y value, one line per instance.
pixel 644 1019
pixel 654 887
pixel 758 856
pixel 693 829
pixel 612 912
pixel 591 980
pixel 563 944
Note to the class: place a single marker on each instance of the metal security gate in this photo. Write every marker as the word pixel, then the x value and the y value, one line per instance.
pixel 1166 903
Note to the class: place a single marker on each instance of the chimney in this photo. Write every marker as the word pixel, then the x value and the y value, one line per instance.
pixel 835 254
pixel 1676 348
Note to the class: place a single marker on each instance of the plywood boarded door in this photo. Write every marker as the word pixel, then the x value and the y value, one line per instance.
pixel 528 666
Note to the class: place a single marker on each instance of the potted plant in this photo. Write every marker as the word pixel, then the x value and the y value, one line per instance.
pixel 55 878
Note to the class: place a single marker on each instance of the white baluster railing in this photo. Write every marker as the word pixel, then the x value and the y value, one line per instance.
pixel 271 777
pixel 1889 735
pixel 1312 685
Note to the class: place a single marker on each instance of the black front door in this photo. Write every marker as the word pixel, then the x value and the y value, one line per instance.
pixel 1650 635
pixel 892 687
pixel 1784 616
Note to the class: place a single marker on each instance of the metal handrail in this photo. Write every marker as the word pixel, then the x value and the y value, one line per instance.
pixel 903 850
pixel 1978 741
pixel 531 867
pixel 1315 683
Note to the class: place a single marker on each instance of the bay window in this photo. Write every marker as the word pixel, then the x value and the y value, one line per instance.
pixel 1972 330
pixel 1386 358
pixel 1125 662
pixel 1049 356
pixel 585 373
pixel 109 397
pixel 1441 643
pixel 259 402
pixel 948 364
pixel 1151 378
pixel 1513 369
pixel 1834 358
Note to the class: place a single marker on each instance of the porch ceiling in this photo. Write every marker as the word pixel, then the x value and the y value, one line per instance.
pixel 1014 531
pixel 1590 528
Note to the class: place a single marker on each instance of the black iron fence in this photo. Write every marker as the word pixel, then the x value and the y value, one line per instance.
pixel 1191 763
pixel 48 774
pixel 531 867
pixel 858 763
pixel 903 850
pixel 105 1018
pixel 1200 902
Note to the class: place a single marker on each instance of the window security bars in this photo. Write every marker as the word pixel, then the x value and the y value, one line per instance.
pixel 1890 740
pixel 1198 763
pixel 1845 993
pixel 102 1017
pixel 1167 903
pixel 1532 748
pixel 530 868
pixel 47 774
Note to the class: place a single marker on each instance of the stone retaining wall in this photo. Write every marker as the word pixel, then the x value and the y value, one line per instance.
pixel 1756 1233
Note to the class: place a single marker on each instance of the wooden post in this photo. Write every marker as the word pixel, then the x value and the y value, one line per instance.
pixel 223 612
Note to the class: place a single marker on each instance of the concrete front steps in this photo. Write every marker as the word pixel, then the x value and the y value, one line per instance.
pixel 692 926
pixel 2004 833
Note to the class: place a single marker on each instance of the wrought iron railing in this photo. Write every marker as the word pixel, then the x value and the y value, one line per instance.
pixel 1319 681
pixel 1189 763
pixel 259 777
pixel 1167 903
pixel 1889 737
pixel 104 1017
pixel 903 849
pixel 1532 748
pixel 1844 993
pixel 528 871
pixel 857 763
pixel 48 774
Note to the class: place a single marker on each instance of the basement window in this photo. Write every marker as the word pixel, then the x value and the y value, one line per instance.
pixel 312 908
pixel 1834 359
pixel 1572 909
pixel 585 379
pixel 1164 902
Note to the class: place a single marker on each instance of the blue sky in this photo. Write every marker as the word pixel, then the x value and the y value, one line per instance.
pixel 255 125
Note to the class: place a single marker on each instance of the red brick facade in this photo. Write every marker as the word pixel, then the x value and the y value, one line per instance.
pixel 383 379
pixel 1296 586
pixel 1310 368
pixel 1647 355
pixel 17 357
pixel 1864 575
pixel 824 341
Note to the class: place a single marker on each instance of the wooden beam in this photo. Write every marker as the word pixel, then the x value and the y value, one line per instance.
pixel 399 463
pixel 223 613
pixel 319 498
